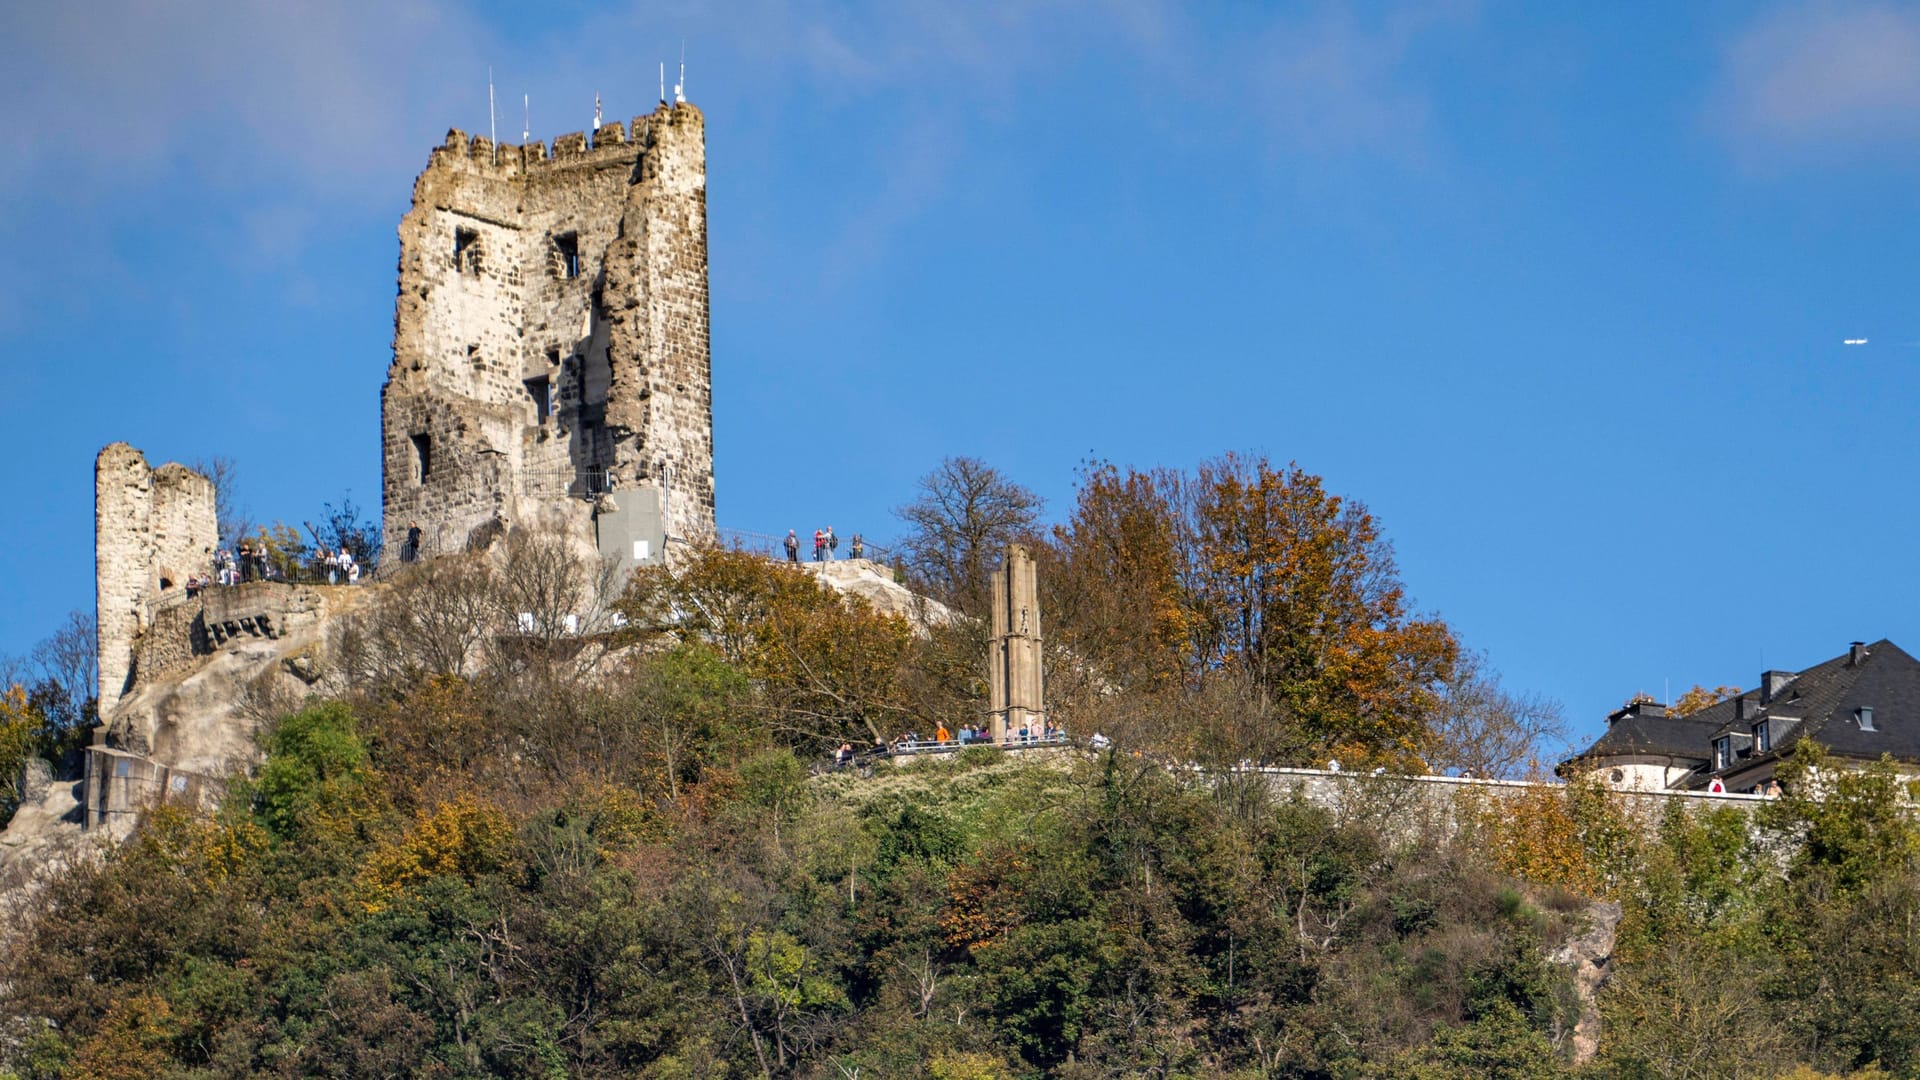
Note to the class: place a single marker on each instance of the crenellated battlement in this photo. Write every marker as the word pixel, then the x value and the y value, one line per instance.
pixel 609 142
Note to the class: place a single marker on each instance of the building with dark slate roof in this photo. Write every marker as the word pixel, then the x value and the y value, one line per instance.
pixel 1859 705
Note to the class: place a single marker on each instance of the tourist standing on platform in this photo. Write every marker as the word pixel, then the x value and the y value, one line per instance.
pixel 819 546
pixel 793 546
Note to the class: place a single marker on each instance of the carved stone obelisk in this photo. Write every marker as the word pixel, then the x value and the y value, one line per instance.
pixel 1016 697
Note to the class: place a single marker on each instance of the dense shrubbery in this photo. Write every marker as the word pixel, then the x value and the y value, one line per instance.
pixel 541 843
pixel 418 886
pixel 977 918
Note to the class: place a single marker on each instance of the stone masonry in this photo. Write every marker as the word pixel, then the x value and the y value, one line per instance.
pixel 153 528
pixel 550 354
pixel 1016 692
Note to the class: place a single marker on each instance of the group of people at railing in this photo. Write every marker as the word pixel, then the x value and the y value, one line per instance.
pixel 946 741
pixel 255 560
pixel 825 545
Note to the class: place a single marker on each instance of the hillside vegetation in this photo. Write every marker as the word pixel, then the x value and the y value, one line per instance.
pixel 516 853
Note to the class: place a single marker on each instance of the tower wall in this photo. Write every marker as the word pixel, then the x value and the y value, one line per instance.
pixel 152 530
pixel 659 345
pixel 550 333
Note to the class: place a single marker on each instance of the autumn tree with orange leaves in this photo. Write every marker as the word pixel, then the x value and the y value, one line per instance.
pixel 1255 575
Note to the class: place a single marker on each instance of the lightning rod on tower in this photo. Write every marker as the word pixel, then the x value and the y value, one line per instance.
pixel 526 118
pixel 493 133
pixel 663 82
pixel 680 88
pixel 596 111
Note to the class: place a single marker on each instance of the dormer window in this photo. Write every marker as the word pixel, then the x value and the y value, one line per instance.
pixel 1762 737
pixel 1722 751
pixel 1864 717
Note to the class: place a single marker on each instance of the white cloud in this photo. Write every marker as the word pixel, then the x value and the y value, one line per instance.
pixel 318 96
pixel 1810 79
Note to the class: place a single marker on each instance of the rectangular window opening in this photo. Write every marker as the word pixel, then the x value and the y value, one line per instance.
pixel 422 456
pixel 1722 752
pixel 1762 737
pixel 1864 717
pixel 466 249
pixel 540 389
pixel 566 251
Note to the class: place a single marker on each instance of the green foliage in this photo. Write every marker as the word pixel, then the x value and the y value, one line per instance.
pixel 1853 824
pixel 475 896
pixel 44 723
pixel 316 780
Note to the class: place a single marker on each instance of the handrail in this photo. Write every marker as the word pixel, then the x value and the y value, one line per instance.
pixel 775 547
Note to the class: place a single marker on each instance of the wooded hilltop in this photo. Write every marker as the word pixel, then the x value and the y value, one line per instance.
pixel 626 853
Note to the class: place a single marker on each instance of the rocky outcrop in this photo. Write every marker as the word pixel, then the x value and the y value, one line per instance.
pixel 874 583
pixel 1588 957
pixel 256 650
pixel 39 842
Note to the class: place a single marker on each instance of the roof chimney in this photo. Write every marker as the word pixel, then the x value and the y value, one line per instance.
pixel 1641 705
pixel 1856 652
pixel 1772 682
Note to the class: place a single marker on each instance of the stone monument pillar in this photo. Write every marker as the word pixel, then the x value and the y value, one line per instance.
pixel 1016 697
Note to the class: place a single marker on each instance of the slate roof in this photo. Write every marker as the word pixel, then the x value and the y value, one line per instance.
pixel 1637 733
pixel 1826 696
pixel 1820 703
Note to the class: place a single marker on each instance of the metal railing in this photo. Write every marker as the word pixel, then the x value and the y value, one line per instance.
pixel 578 483
pixel 775 547
pixel 303 572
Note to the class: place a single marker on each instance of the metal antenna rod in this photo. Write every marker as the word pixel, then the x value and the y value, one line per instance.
pixel 526 117
pixel 663 82
pixel 493 133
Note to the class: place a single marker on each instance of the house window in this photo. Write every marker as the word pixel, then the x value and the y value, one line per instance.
pixel 1722 751
pixel 566 255
pixel 541 391
pixel 422 457
pixel 1762 737
pixel 1864 717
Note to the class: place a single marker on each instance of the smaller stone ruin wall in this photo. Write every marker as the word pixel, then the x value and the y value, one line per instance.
pixel 153 529
pixel 172 641
pixel 265 609
pixel 184 529
pixel 119 785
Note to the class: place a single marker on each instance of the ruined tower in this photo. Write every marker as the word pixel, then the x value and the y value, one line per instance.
pixel 152 530
pixel 550 349
pixel 1015 688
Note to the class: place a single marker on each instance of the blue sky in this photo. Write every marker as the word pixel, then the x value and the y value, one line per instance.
pixel 1558 290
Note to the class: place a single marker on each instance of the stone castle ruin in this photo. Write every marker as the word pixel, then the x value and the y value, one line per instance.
pixel 153 529
pixel 550 351
pixel 551 369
